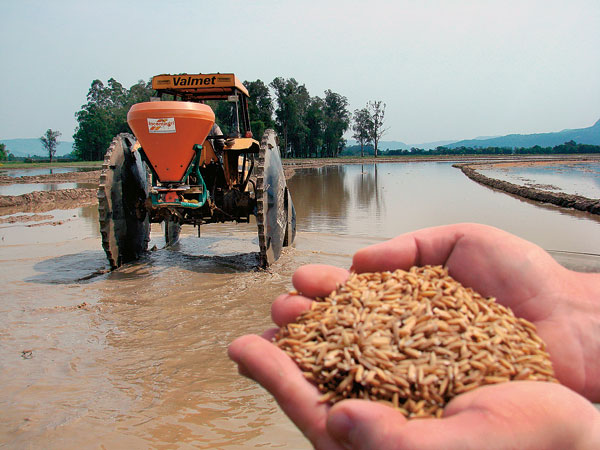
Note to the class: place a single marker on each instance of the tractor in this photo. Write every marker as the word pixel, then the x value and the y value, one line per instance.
pixel 178 168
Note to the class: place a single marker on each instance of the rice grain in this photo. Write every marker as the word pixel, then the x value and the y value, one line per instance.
pixel 413 339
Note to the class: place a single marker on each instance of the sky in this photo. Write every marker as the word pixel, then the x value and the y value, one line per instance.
pixel 446 69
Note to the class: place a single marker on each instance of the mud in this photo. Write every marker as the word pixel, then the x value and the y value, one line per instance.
pixel 91 176
pixel 42 201
pixel 26 218
pixel 532 192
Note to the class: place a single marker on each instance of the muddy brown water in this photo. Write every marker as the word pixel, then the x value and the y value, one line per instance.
pixel 136 358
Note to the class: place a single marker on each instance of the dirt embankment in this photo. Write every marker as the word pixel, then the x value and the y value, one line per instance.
pixel 71 177
pixel 577 202
pixel 42 201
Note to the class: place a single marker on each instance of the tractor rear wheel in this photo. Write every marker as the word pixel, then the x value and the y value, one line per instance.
pixel 275 210
pixel 122 192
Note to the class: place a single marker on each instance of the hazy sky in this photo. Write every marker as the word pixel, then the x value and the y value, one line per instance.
pixel 445 69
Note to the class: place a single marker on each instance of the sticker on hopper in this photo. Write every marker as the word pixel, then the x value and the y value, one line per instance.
pixel 163 125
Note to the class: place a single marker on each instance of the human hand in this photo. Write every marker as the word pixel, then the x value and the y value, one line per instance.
pixel 564 305
pixel 519 274
pixel 519 414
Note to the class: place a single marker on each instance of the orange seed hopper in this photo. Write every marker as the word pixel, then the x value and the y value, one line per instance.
pixel 167 131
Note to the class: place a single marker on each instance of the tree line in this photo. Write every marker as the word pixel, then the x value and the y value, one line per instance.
pixel 570 147
pixel 308 126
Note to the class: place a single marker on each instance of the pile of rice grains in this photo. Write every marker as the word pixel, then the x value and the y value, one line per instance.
pixel 413 339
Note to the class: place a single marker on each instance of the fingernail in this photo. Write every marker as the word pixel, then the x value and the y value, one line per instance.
pixel 341 427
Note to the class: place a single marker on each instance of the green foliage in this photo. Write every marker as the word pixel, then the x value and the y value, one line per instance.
pixel 292 102
pixel 567 148
pixel 260 107
pixel 315 123
pixel 337 121
pixel 105 115
pixel 361 126
pixel 50 141
pixel 368 125
pixel 376 130
pixel 3 152
pixel 308 125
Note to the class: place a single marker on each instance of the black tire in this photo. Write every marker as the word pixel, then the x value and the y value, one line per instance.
pixel 271 214
pixel 122 192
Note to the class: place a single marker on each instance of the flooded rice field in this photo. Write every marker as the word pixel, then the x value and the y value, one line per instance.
pixel 137 358
pixel 577 178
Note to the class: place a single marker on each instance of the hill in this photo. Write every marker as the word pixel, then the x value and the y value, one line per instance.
pixel 590 135
pixel 383 145
pixel 34 147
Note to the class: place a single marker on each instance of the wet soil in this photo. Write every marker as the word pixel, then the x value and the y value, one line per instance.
pixel 41 201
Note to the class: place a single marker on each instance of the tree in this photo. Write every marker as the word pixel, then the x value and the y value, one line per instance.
pixel 105 115
pixel 337 121
pixel 260 107
pixel 292 103
pixel 315 122
pixel 3 152
pixel 361 127
pixel 377 114
pixel 50 142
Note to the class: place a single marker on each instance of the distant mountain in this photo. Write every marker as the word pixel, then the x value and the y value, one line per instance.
pixel 34 147
pixel 590 135
pixel 431 145
pixel 399 145
pixel 383 145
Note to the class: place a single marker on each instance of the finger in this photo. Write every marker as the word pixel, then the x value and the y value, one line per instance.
pixel 318 280
pixel 428 246
pixel 269 334
pixel 361 424
pixel 277 373
pixel 286 308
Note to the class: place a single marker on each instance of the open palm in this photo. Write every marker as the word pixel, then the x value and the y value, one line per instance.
pixel 564 305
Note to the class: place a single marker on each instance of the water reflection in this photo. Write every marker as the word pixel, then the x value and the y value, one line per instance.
pixel 366 189
pixel 322 195
pixel 389 199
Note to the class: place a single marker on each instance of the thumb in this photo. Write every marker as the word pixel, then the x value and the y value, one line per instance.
pixel 360 424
